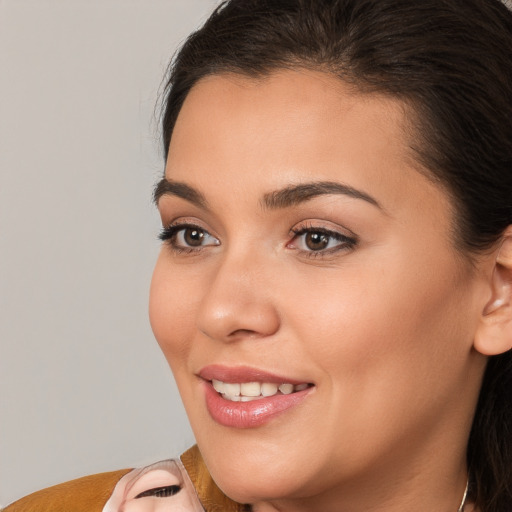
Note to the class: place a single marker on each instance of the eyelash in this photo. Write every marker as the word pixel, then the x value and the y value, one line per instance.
pixel 168 235
pixel 346 242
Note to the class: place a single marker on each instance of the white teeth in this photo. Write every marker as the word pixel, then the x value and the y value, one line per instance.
pixel 231 389
pixel 247 391
pixel 250 389
pixel 268 389
pixel 286 389
pixel 232 398
pixel 239 398
pixel 218 385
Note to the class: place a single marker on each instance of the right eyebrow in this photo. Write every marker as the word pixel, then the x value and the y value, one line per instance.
pixel 178 189
pixel 296 194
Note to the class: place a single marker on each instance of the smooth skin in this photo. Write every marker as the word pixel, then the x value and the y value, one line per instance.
pixel 363 295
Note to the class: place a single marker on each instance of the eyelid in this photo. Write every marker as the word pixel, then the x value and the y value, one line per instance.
pixel 160 492
pixel 323 226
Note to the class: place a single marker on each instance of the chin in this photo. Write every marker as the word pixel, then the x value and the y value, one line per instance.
pixel 251 471
pixel 255 484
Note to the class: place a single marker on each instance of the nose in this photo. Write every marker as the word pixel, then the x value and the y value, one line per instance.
pixel 238 302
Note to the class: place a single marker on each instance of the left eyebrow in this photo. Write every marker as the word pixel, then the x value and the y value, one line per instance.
pixel 179 189
pixel 297 194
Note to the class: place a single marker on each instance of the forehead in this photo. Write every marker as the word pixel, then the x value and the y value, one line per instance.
pixel 287 106
pixel 309 96
pixel 299 124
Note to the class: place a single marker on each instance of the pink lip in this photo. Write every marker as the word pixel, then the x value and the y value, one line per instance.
pixel 243 374
pixel 247 414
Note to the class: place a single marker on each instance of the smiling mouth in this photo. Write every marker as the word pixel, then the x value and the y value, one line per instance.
pixel 250 391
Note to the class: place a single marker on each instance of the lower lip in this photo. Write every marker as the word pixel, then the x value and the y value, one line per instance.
pixel 249 414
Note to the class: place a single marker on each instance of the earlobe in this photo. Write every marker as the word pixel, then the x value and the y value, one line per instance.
pixel 494 332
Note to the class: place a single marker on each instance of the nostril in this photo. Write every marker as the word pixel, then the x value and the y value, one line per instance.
pixel 246 333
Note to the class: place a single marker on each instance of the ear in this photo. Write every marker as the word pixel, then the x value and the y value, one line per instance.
pixel 494 332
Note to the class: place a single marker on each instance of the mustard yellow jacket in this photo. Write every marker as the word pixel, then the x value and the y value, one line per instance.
pixel 90 493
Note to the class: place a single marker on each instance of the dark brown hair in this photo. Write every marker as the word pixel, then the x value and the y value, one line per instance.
pixel 451 60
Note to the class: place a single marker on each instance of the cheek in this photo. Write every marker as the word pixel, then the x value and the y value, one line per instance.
pixel 391 323
pixel 388 348
pixel 171 312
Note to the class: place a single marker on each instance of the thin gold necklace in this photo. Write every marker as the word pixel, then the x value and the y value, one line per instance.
pixel 463 502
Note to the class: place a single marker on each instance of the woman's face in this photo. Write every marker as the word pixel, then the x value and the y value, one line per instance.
pixel 304 248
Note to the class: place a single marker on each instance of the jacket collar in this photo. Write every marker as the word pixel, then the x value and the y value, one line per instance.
pixel 211 497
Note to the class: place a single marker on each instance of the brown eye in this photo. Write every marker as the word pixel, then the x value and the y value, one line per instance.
pixel 187 236
pixel 316 241
pixel 193 237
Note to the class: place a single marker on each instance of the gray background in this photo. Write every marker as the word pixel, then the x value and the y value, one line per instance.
pixel 83 386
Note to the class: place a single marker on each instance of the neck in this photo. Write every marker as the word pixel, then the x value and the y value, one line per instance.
pixel 418 482
pixel 421 500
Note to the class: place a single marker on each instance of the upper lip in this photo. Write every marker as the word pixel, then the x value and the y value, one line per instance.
pixel 235 374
